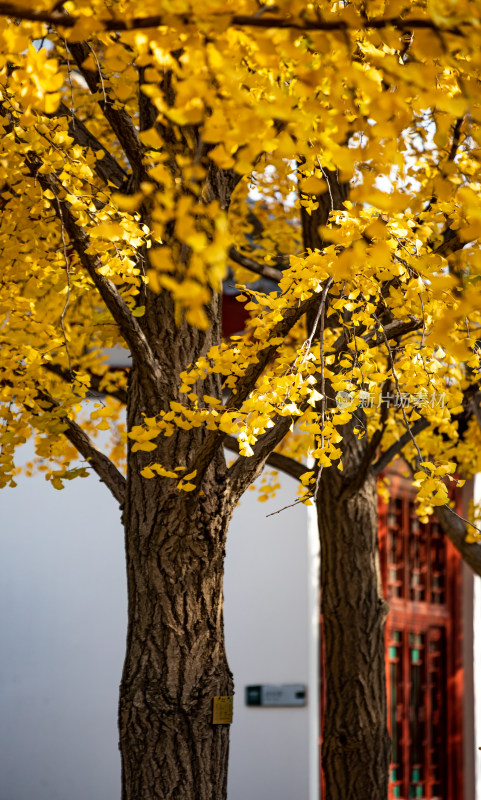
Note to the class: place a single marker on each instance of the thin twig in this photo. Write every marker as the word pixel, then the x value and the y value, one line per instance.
pixel 320 318
pixel 67 270
pixel 70 84
pixel 309 340
pixel 466 521
pixel 424 322
pixel 106 99
pixel 291 505
pixel 323 381
pixel 396 381
pixel 326 178
pixel 93 388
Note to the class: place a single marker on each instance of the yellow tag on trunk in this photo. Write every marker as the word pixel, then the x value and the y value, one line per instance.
pixel 222 710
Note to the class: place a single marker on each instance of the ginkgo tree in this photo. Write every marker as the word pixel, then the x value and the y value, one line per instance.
pixel 149 151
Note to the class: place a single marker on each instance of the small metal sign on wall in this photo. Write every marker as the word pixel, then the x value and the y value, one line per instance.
pixel 286 694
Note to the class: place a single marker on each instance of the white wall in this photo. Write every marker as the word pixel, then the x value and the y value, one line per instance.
pixel 267 632
pixel 62 635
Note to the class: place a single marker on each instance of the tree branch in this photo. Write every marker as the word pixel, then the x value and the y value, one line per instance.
pixel 103 466
pixel 247 384
pixel 63 20
pixel 456 530
pixel 452 242
pixel 456 138
pixel 371 449
pixel 475 400
pixel 107 168
pixel 128 325
pixel 118 119
pixel 398 388
pixel 396 328
pixel 386 457
pixel 271 273
pixel 331 200
pixel 95 381
pixel 247 468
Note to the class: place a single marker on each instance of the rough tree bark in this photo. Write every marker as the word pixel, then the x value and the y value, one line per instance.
pixel 175 661
pixel 355 739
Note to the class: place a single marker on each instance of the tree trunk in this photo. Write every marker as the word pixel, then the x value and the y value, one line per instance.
pixel 355 740
pixel 175 545
pixel 175 662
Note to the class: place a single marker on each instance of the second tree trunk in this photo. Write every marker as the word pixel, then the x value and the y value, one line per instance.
pixel 356 744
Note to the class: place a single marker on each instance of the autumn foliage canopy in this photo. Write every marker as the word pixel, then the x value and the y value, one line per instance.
pixel 348 137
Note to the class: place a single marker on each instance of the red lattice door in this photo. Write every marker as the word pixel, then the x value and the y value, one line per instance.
pixel 421 573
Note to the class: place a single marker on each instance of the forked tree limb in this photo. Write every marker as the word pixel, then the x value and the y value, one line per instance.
pixel 247 469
